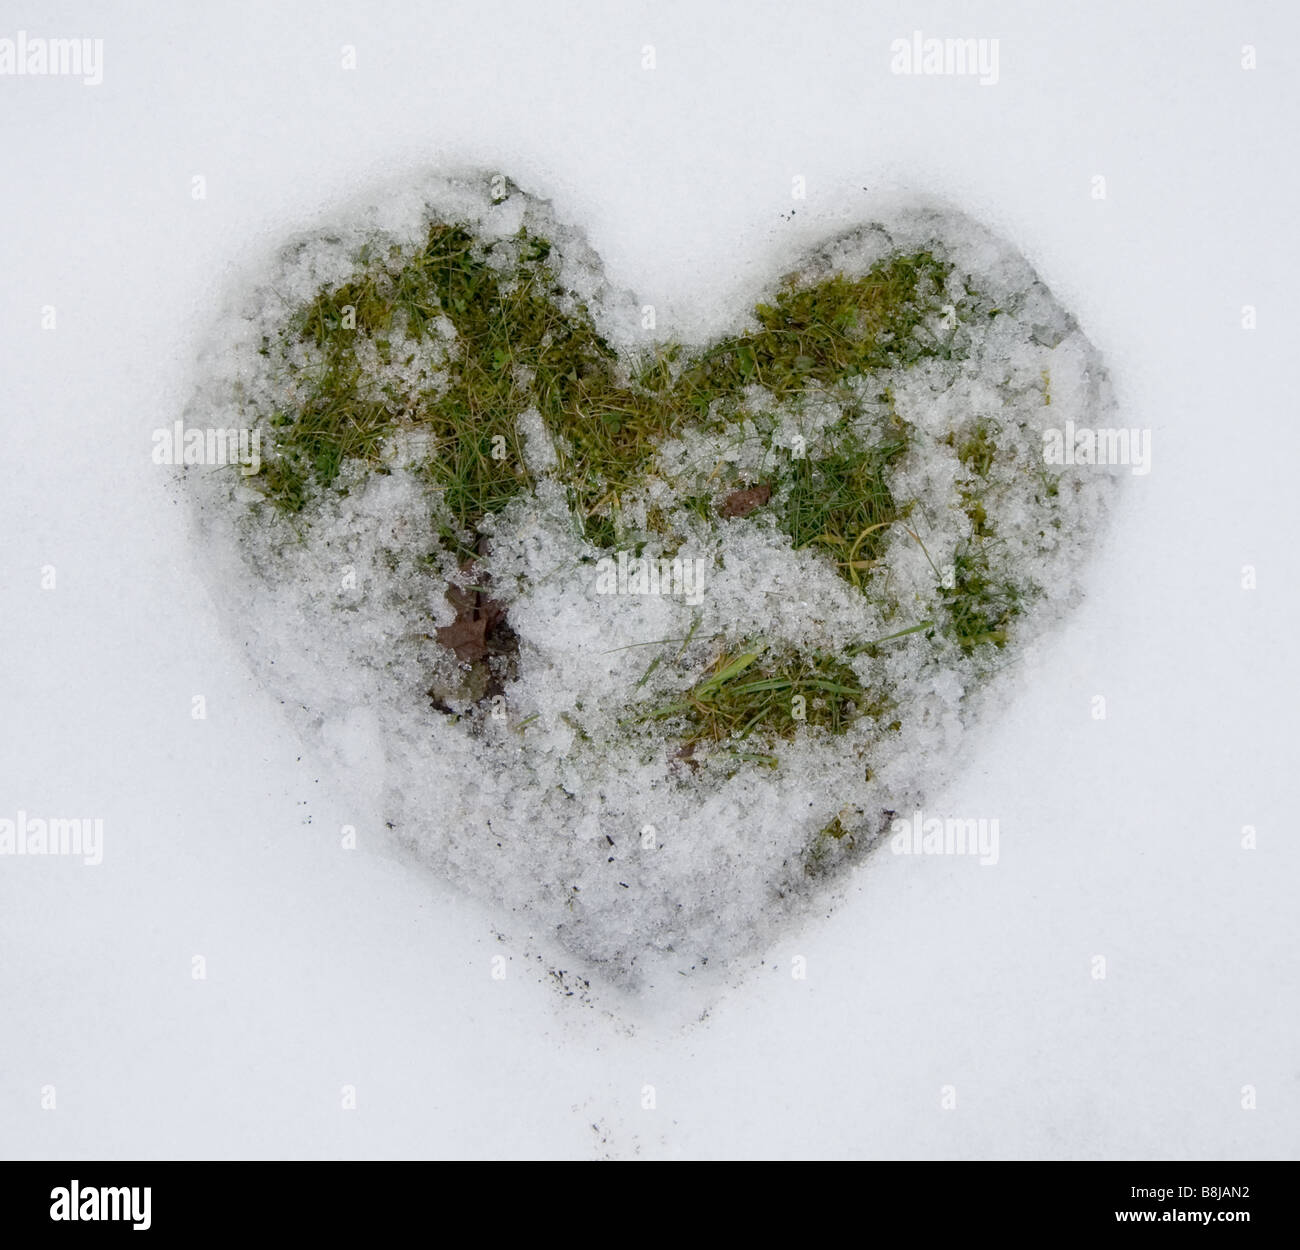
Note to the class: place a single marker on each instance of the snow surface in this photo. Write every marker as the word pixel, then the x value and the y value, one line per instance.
pixel 326 967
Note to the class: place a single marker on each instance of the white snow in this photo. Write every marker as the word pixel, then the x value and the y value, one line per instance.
pixel 328 967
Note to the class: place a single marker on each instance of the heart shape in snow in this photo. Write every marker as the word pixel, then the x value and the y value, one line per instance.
pixel 638 639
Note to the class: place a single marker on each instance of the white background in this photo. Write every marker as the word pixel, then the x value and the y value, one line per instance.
pixel 1120 838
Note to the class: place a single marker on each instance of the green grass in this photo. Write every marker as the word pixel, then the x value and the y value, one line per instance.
pixel 760 694
pixel 823 334
pixel 841 503
pixel 523 342
pixel 517 347
pixel 980 605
